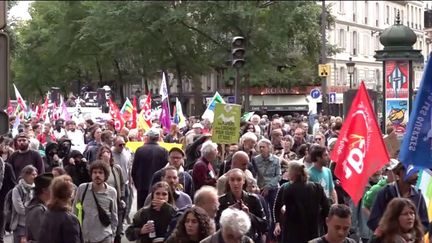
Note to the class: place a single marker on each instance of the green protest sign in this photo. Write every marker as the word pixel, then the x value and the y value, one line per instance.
pixel 226 124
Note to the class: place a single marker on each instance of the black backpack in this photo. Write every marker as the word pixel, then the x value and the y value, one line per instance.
pixel 8 208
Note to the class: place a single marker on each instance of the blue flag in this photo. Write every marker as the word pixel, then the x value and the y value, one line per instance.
pixel 416 146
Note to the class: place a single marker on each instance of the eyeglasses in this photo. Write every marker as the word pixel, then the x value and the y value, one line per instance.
pixel 317 139
pixel 121 145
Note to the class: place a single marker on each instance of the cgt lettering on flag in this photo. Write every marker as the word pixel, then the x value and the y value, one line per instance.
pixel 359 151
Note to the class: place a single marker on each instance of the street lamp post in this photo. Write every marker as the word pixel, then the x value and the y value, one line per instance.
pixel 350 67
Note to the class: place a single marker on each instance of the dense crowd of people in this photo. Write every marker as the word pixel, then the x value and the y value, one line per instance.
pixel 68 182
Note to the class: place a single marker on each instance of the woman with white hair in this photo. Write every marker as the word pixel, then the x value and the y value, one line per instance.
pixel 203 172
pixel 234 224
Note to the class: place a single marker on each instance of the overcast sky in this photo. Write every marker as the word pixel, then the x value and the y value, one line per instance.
pixel 20 10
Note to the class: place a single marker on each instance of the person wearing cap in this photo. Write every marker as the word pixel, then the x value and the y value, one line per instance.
pixel 37 206
pixel 196 130
pixel 404 187
pixel 24 156
pixel 176 159
pixel 148 159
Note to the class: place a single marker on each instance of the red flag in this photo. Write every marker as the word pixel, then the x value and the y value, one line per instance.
pixel 115 114
pixel 43 110
pixel 10 109
pixel 360 150
pixel 134 112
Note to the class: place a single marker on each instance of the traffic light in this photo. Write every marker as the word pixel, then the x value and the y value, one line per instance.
pixel 4 71
pixel 238 51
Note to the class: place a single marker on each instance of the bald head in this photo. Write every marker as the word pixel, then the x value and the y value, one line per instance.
pixel 240 160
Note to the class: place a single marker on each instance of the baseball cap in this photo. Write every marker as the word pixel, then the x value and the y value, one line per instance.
pixel 153 132
pixel 178 150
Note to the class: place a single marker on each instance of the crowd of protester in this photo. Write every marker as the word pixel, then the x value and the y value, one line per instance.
pixel 68 182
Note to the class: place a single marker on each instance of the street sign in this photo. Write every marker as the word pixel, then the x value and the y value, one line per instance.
pixel 315 93
pixel 324 70
pixel 332 97
pixel 231 99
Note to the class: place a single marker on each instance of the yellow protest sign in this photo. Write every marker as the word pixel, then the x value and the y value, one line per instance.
pixel 133 146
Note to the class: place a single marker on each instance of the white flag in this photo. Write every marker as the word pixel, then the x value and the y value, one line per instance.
pixel 163 91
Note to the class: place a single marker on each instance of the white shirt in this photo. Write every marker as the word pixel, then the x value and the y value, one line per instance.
pixel 77 138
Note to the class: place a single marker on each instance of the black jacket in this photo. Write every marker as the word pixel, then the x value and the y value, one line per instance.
pixel 9 182
pixel 306 208
pixel 79 173
pixel 161 220
pixel 256 213
pixel 60 227
pixel 148 159
pixel 35 214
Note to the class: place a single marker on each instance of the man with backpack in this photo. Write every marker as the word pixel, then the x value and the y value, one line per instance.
pixel 403 187
pixel 7 183
pixel 95 205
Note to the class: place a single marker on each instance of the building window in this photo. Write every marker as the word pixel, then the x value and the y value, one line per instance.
pixel 387 15
pixel 402 17
pixel 366 12
pixel 377 14
pixel 341 6
pixel 342 77
pixel 354 3
pixel 354 43
pixel 412 17
pixel 377 76
pixel 355 78
pixel 366 39
pixel 377 43
pixel 342 39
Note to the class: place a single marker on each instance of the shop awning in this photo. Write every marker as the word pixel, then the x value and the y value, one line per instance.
pixel 279 102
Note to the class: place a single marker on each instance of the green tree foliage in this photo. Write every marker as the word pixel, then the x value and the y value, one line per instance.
pixel 124 42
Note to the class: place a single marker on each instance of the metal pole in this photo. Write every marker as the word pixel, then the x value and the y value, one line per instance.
pixel 410 86
pixel 246 94
pixel 237 87
pixel 383 114
pixel 324 56
pixel 351 81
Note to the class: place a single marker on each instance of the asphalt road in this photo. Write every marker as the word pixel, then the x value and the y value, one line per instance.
pixel 9 238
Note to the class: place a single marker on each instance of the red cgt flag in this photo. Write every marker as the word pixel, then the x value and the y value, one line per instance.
pixel 116 116
pixel 360 150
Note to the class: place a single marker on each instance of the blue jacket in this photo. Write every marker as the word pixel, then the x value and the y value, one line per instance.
pixel 389 192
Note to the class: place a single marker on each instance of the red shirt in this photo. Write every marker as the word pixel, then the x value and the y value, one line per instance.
pixel 43 138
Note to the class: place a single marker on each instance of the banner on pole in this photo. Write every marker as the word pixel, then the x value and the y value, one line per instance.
pixel 226 125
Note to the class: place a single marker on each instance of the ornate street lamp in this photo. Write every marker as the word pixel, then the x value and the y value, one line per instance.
pixel 398 56
pixel 350 67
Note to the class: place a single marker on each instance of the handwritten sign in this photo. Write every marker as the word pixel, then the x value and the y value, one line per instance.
pixel 226 124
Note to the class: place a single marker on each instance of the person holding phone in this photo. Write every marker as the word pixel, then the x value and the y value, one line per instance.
pixel 236 197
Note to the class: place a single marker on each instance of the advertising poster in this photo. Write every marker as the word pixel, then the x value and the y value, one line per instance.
pixel 397 114
pixel 397 80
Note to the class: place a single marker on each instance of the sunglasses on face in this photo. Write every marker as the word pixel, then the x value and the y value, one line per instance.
pixel 317 139
pixel 121 145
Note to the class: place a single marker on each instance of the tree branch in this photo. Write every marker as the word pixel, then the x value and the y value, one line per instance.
pixel 204 34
